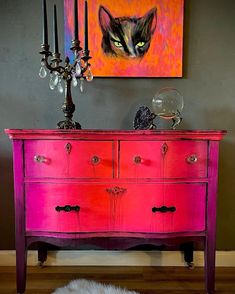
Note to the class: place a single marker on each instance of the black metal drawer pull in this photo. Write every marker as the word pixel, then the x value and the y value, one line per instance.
pixel 67 208
pixel 164 209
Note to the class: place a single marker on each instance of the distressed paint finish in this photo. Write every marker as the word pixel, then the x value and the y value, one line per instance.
pixel 119 180
pixel 101 211
pixel 115 134
pixel 156 163
pixel 136 205
pixel 43 198
pixel 78 160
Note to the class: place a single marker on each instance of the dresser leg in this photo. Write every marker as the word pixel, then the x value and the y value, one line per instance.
pixel 21 262
pixel 187 248
pixel 42 253
pixel 209 259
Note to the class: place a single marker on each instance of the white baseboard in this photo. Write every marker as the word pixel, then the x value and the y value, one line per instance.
pixel 117 258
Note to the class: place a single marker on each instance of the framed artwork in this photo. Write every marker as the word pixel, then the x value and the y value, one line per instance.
pixel 130 38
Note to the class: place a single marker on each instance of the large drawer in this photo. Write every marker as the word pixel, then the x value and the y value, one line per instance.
pixel 61 158
pixel 160 208
pixel 158 159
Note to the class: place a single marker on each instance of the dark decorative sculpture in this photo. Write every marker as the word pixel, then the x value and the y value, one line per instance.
pixel 144 119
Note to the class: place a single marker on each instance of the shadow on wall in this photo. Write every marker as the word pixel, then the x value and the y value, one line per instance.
pixel 225 119
pixel 7 204
pixel 226 193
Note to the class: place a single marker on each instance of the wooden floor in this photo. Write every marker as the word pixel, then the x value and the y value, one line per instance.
pixel 146 280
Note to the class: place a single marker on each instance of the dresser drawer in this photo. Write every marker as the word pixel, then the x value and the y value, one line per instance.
pixel 160 208
pixel 66 208
pixel 61 158
pixel 158 159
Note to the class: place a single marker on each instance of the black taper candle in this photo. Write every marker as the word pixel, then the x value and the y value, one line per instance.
pixel 56 47
pixel 86 27
pixel 45 28
pixel 75 20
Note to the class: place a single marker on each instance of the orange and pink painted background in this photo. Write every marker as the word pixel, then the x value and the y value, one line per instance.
pixel 164 57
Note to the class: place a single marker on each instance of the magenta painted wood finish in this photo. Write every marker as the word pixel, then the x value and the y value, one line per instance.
pixel 102 212
pixel 115 188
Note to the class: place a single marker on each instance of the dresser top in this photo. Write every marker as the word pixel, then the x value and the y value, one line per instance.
pixel 115 134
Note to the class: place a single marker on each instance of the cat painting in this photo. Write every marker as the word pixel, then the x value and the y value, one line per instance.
pixel 128 37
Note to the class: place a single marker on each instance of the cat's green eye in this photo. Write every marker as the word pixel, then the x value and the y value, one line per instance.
pixel 117 44
pixel 140 44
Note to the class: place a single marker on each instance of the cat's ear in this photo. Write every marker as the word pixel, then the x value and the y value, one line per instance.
pixel 105 18
pixel 149 20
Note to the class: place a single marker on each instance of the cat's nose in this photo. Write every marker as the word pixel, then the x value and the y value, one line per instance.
pixel 131 50
pixel 132 54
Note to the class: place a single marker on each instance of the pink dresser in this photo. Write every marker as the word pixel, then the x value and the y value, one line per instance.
pixel 115 189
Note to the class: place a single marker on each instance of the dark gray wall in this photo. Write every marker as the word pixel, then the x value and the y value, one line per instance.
pixel 208 87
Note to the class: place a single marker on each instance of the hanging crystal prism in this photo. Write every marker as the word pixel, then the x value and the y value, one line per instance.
pixel 56 78
pixel 78 69
pixel 81 84
pixel 89 76
pixel 74 80
pixel 51 82
pixel 42 72
pixel 60 87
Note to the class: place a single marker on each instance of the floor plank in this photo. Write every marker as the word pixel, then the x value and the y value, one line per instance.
pixel 146 280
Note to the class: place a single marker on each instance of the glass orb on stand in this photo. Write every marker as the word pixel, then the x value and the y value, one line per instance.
pixel 168 104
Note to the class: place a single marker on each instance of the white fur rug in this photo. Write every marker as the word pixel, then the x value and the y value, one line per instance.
pixel 83 286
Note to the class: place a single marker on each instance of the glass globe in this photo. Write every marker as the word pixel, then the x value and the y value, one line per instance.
pixel 168 103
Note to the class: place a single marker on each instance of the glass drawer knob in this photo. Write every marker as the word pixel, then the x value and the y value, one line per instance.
pixel 192 158
pixel 137 159
pixel 95 160
pixel 39 159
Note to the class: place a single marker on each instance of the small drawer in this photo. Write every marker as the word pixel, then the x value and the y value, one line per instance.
pixel 70 159
pixel 159 159
pixel 66 208
pixel 161 208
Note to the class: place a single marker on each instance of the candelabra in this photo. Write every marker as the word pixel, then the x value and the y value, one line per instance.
pixel 70 73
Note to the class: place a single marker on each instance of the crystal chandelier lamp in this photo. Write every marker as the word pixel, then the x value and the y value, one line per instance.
pixel 70 73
